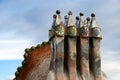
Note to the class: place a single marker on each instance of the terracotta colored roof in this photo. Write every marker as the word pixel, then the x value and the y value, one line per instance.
pixel 31 57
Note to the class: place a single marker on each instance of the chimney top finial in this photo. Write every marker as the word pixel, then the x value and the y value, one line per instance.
pixel 81 14
pixel 77 17
pixel 93 15
pixel 88 19
pixel 57 11
pixel 54 16
pixel 65 17
pixel 70 13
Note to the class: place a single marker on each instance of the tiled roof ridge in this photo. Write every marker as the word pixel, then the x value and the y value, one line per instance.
pixel 27 54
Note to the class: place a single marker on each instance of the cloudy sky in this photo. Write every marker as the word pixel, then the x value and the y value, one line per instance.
pixel 25 23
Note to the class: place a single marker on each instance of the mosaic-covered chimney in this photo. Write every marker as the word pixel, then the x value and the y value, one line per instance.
pixel 75 48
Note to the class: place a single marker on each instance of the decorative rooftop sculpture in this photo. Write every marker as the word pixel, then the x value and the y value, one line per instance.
pixel 82 28
pixel 76 48
pixel 72 52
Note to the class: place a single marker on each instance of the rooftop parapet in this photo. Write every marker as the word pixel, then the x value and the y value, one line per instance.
pixel 82 28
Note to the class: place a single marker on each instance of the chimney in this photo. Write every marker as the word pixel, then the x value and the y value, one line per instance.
pixel 94 50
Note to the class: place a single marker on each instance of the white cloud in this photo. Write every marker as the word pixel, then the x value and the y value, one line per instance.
pixel 112 69
pixel 10 54
pixel 10 77
pixel 13 49
pixel 110 64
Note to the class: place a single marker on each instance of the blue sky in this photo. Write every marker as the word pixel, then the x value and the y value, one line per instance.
pixel 25 23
